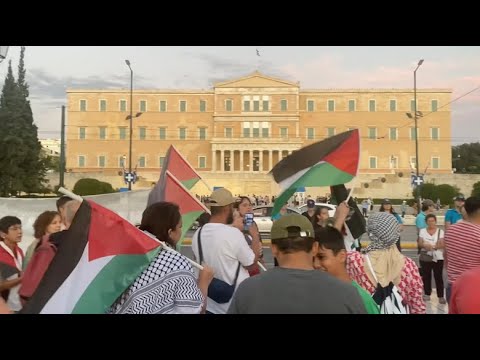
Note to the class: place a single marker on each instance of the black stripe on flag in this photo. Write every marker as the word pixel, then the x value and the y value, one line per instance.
pixel 307 156
pixel 7 270
pixel 69 253
pixel 356 223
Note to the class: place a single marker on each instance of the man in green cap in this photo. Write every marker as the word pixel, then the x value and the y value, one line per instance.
pixel 295 287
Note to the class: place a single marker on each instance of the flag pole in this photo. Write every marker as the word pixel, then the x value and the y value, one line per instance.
pixel 349 195
pixel 261 266
pixel 70 194
pixel 165 247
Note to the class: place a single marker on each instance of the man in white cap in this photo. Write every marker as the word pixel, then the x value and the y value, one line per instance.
pixel 224 248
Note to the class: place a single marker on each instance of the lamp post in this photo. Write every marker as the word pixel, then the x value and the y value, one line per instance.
pixel 415 116
pixel 131 121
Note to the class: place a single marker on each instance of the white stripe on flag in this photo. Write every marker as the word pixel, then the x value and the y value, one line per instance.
pixel 68 294
pixel 285 184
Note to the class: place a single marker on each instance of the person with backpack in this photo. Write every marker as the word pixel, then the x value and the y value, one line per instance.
pixel 390 277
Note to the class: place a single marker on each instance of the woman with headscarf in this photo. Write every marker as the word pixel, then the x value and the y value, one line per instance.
pixel 388 264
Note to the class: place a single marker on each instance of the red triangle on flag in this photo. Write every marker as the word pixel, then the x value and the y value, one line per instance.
pixel 175 192
pixel 179 166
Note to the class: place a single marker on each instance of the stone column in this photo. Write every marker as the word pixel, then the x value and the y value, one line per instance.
pixel 222 160
pixel 260 160
pixel 270 159
pixel 232 157
pixel 214 160
pixel 242 168
pixel 251 161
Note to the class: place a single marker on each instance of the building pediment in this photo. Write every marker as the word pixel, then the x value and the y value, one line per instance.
pixel 256 80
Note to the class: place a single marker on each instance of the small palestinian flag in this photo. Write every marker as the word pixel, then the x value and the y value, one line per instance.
pixel 180 168
pixel 9 266
pixel 172 190
pixel 332 161
pixel 100 257
pixel 356 223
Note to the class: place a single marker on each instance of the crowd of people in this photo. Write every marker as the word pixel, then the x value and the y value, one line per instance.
pixel 315 270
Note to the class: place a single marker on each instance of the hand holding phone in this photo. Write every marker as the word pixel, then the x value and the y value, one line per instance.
pixel 247 221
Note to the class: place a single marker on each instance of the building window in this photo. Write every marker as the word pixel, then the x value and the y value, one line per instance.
pixel 246 105
pixel 163 106
pixel 310 133
pixel 393 134
pixel 412 105
pixel 372 133
pixel 284 132
pixel 256 105
pixel 310 105
pixel 203 105
pixel 435 163
pixel 331 105
pixel 228 105
pixel 182 133
pixel 413 134
pixel 163 133
pixel 435 133
pixel 202 133
pixel 103 133
pixel 143 106
pixel 246 129
pixel 372 106
pixel 183 106
pixel 373 162
pixel 123 105
pixel 351 105
pixel 393 162
pixel 256 130
pixel 265 105
pixel 434 105
pixel 141 161
pixel 123 133
pixel 81 133
pixel 142 133
pixel 330 131
pixel 103 105
pixel 265 132
pixel 81 161
pixel 283 105
pixel 228 132
pixel 83 105
pixel 101 161
pixel 161 160
pixel 393 105
pixel 202 162
pixel 413 162
pixel 121 162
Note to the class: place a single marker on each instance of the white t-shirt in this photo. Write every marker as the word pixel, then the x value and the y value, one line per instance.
pixel 223 246
pixel 432 239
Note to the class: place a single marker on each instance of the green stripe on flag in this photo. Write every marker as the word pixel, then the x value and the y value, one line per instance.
pixel 190 183
pixel 187 221
pixel 112 281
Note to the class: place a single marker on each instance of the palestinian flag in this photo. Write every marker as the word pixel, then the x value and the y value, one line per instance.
pixel 99 258
pixel 8 266
pixel 356 222
pixel 180 168
pixel 332 161
pixel 172 190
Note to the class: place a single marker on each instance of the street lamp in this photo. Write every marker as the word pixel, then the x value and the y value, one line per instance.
pixel 3 52
pixel 415 116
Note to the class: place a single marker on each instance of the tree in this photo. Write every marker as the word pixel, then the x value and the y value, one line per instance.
pixel 466 158
pixel 23 169
pixel 476 189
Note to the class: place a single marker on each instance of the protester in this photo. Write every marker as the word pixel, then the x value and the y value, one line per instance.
pixel 224 247
pixel 387 207
pixel 454 215
pixel 295 287
pixel 11 259
pixel 168 285
pixel 310 213
pixel 61 208
pixel 332 258
pixel 466 293
pixel 389 265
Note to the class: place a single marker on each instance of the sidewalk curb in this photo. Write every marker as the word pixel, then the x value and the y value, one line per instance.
pixel 405 245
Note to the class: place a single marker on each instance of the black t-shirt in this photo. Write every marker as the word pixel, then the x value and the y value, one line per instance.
pixel 308 216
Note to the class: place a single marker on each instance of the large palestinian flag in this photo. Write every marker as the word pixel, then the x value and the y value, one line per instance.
pixel 99 258
pixel 172 190
pixel 180 168
pixel 332 161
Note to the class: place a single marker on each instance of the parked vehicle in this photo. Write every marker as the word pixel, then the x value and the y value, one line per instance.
pixel 331 208
pixel 263 217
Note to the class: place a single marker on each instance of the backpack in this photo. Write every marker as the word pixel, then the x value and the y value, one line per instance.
pixel 388 298
pixel 36 268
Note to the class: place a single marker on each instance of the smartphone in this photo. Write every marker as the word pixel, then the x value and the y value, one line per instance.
pixel 247 221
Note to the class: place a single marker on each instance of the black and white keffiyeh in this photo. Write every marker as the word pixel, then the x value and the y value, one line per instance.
pixel 383 230
pixel 167 286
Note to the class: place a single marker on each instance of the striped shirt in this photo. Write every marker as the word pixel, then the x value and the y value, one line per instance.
pixel 462 244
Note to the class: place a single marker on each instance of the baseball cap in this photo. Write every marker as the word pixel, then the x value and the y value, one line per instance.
pixel 459 198
pixel 280 227
pixel 310 204
pixel 386 201
pixel 221 197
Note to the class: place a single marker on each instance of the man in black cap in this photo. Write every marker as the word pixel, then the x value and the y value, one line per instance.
pixel 310 213
pixel 454 215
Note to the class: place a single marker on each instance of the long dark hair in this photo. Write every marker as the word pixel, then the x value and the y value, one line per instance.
pixel 160 217
pixel 392 210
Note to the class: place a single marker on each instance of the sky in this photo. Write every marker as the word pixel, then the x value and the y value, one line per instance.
pixel 51 70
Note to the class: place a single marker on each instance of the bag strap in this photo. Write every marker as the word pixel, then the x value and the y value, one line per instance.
pixel 371 268
pixel 200 253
